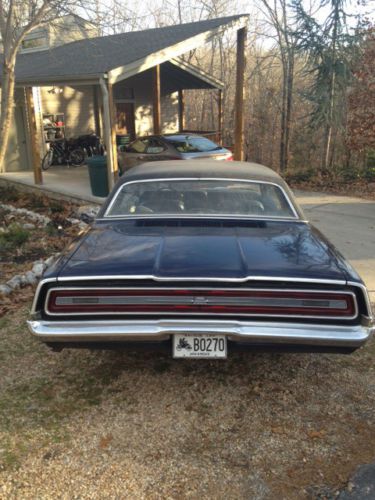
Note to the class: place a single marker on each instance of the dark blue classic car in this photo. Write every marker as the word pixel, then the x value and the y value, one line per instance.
pixel 203 258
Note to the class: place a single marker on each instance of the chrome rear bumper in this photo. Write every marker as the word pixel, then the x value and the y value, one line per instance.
pixel 159 330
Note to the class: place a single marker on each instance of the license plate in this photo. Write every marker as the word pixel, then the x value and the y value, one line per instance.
pixel 199 346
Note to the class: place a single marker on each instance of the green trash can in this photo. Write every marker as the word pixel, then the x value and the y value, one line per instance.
pixel 98 175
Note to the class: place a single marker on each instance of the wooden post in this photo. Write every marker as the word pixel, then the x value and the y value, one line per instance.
pixel 96 110
pixel 34 142
pixel 112 113
pixel 220 115
pixel 181 110
pixel 156 98
pixel 239 99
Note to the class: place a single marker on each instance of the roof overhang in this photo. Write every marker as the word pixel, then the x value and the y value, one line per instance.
pixel 173 51
pixel 73 80
pixel 197 74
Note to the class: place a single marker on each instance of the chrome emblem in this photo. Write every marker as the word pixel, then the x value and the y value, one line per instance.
pixel 199 301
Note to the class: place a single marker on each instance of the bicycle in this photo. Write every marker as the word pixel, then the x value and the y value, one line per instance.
pixel 63 151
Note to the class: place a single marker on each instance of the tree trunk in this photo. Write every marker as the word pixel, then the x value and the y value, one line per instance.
pixel 7 104
pixel 289 106
pixel 331 103
pixel 283 114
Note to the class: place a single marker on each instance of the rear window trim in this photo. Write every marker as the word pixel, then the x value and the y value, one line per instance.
pixel 200 216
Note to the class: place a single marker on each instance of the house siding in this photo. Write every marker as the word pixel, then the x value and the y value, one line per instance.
pixel 16 156
pixel 142 87
pixel 77 104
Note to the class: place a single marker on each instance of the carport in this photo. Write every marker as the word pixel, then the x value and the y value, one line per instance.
pixel 110 65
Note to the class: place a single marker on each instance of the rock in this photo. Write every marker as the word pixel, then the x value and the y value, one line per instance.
pixel 28 226
pixel 15 282
pixel 38 268
pixel 82 225
pixel 23 280
pixel 50 260
pixel 42 219
pixel 5 290
pixel 87 213
pixel 30 277
pixel 73 221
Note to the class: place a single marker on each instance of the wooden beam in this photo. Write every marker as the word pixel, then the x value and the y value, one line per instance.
pixel 156 108
pixel 220 115
pixel 34 142
pixel 96 110
pixel 181 110
pixel 112 114
pixel 107 132
pixel 239 99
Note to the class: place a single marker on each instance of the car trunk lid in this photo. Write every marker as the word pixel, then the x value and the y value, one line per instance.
pixel 204 249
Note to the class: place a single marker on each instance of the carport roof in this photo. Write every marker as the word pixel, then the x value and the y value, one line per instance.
pixel 120 56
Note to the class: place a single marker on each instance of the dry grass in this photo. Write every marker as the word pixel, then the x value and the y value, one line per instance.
pixel 83 424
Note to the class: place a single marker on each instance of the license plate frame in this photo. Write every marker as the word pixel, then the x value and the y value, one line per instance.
pixel 199 346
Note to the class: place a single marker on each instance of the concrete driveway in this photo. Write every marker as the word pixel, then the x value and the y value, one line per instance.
pixel 349 223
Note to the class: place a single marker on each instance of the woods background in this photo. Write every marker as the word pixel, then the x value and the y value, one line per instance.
pixel 309 82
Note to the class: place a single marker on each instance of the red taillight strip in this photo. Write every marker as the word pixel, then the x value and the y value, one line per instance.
pixel 201 301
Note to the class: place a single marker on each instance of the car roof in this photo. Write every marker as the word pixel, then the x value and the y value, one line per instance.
pixel 202 169
pixel 175 135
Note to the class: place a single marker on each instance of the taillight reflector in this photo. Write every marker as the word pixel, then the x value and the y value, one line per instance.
pixel 224 302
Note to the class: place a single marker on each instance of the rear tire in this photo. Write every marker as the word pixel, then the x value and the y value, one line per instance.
pixel 47 160
pixel 77 157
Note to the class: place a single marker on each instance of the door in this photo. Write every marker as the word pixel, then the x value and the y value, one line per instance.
pixel 125 124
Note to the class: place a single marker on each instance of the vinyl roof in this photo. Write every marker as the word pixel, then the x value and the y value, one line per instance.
pixel 201 169
pixel 99 55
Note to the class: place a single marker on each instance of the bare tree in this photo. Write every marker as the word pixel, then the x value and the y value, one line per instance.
pixel 17 19
pixel 277 15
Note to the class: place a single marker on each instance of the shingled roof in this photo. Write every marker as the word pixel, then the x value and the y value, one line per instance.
pixel 96 56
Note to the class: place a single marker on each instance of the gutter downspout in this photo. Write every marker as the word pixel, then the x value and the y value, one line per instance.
pixel 107 133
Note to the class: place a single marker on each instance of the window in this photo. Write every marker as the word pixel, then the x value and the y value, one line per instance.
pixel 155 147
pixel 201 197
pixel 192 144
pixel 36 40
pixel 138 146
pixel 146 146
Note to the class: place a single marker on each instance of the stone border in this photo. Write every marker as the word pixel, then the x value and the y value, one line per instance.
pixel 29 278
pixel 86 215
pixel 42 219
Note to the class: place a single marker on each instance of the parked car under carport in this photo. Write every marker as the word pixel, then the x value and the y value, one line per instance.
pixel 180 146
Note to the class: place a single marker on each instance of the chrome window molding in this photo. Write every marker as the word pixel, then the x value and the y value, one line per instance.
pixel 202 217
pixel 153 313
pixel 169 179
pixel 201 278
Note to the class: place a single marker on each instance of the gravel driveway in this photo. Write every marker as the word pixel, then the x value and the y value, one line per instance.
pixel 95 425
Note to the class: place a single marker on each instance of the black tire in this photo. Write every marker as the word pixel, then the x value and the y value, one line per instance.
pixel 47 160
pixel 77 157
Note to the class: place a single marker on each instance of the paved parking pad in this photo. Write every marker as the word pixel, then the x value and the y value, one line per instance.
pixel 349 223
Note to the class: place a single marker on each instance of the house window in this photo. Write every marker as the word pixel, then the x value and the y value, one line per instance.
pixel 35 41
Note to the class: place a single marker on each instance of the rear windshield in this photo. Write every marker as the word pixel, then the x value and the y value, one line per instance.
pixel 192 144
pixel 200 197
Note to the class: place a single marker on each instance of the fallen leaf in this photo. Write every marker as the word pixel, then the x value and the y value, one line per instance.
pixel 105 441
pixel 316 434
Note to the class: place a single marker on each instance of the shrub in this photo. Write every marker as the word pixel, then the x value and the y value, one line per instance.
pixel 300 175
pixel 8 194
pixel 14 237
